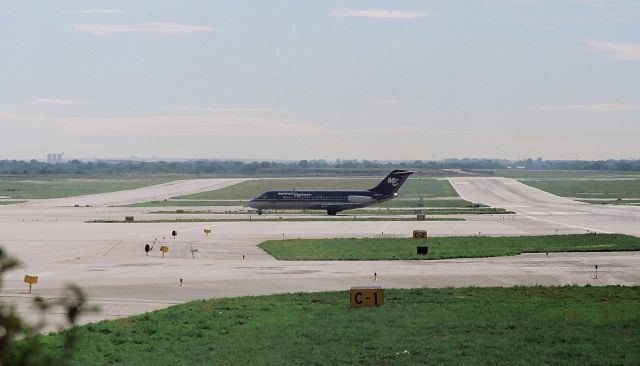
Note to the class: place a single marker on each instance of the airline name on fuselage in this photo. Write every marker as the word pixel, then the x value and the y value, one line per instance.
pixel 295 194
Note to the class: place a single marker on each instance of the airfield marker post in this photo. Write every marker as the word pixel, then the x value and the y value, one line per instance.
pixel 366 296
pixel 420 234
pixel 164 249
pixel 31 280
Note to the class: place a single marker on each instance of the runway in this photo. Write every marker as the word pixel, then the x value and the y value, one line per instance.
pixel 542 206
pixel 53 241
pixel 152 193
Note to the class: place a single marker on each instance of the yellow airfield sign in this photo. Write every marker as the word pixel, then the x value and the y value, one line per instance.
pixel 419 234
pixel 164 249
pixel 366 296
pixel 31 280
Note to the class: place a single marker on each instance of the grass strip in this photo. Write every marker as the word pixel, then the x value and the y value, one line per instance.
pixel 395 203
pixel 625 202
pixel 615 188
pixel 39 188
pixel 463 326
pixel 184 203
pixel 413 188
pixel 444 247
pixel 268 219
pixel 429 203
pixel 9 202
pixel 469 211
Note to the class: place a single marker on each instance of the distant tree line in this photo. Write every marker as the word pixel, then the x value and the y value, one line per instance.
pixel 233 167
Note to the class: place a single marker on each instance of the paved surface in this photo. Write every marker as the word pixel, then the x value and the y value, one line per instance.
pixel 553 210
pixel 152 193
pixel 107 260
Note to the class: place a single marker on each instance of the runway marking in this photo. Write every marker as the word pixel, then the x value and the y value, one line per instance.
pixel 110 249
pixel 568 225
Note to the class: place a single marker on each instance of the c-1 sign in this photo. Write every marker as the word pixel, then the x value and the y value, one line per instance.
pixel 366 296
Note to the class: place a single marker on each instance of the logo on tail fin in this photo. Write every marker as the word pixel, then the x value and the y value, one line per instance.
pixel 391 183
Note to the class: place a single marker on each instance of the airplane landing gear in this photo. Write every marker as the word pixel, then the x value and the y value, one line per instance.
pixel 332 212
pixel 259 212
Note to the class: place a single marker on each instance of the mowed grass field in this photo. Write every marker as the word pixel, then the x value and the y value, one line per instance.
pixel 444 247
pixel 188 203
pixel 413 187
pixel 564 174
pixel 395 203
pixel 614 188
pixel 10 202
pixel 433 192
pixel 633 202
pixel 350 213
pixel 273 219
pixel 55 187
pixel 463 326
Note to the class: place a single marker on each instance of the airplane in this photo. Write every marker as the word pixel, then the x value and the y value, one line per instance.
pixel 332 201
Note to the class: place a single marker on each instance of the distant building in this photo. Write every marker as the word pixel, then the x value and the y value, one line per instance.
pixel 55 158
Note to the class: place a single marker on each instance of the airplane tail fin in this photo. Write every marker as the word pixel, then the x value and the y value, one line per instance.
pixel 392 182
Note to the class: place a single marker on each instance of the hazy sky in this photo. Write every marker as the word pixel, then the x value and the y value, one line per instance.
pixel 320 79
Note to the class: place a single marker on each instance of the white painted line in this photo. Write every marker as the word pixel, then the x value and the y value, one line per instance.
pixel 568 225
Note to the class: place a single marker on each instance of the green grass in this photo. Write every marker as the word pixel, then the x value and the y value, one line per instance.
pixel 464 326
pixel 385 212
pixel 184 203
pixel 444 247
pixel 435 211
pixel 431 203
pixel 47 187
pixel 564 174
pixel 273 218
pixel 413 188
pixel 9 202
pixel 618 188
pixel 612 202
pixel 239 194
pixel 395 203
